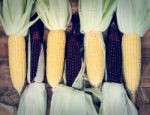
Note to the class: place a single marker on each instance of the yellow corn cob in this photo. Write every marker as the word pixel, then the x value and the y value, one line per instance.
pixel 55 56
pixel 95 57
pixel 17 61
pixel 131 45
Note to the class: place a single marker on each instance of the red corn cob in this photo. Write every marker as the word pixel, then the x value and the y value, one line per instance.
pixel 36 39
pixel 114 53
pixel 73 54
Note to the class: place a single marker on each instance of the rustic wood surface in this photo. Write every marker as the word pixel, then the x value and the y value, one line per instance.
pixel 9 96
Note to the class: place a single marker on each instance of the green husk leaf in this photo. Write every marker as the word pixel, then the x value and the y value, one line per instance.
pixel 148 6
pixel 33 9
pixel 119 103
pixel 29 97
pixel 1 19
pixel 55 14
pixel 15 15
pixel 133 16
pixel 109 6
pixel 75 102
pixel 42 8
pixel 108 11
pixel 95 15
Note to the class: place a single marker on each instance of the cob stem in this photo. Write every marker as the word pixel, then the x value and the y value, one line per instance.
pixel 17 61
pixel 95 57
pixel 132 61
pixel 55 56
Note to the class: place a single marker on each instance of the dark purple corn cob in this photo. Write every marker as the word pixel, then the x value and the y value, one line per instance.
pixel 114 53
pixel 36 39
pixel 73 54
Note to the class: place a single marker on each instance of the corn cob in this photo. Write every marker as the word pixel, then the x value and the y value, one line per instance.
pixel 95 57
pixel 73 55
pixel 17 61
pixel 55 14
pixel 95 17
pixel 132 61
pixel 36 39
pixel 73 60
pixel 133 24
pixel 16 24
pixel 55 56
pixel 114 53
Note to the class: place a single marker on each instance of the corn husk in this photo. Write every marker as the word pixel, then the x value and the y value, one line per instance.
pixel 33 101
pixel 55 17
pixel 55 14
pixel 15 16
pixel 134 18
pixel 148 6
pixel 95 15
pixel 74 102
pixel 115 101
pixel 133 22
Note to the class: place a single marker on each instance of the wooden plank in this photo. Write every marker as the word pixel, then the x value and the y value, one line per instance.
pixel 145 83
pixel 2 33
pixel 146 67
pixel 4 63
pixel 5 80
pixel 3 47
pixel 143 96
pixel 146 94
pixel 144 109
pixel 146 52
pixel 4 111
pixel 3 43
pixel 7 110
pixel 146 40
